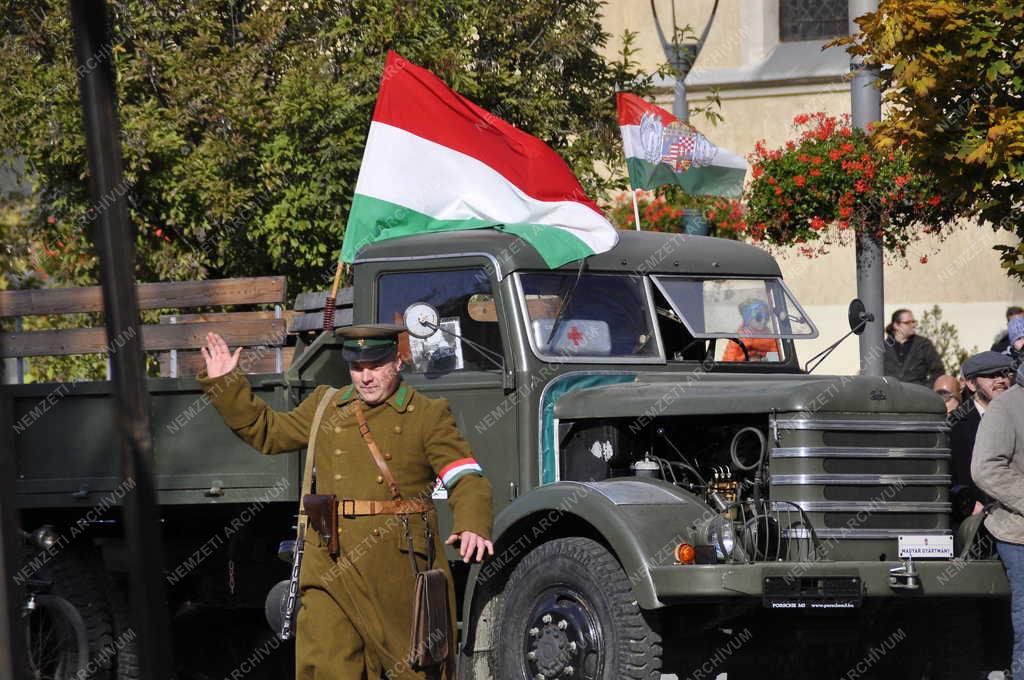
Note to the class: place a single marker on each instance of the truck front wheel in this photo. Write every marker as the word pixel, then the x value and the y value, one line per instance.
pixel 570 613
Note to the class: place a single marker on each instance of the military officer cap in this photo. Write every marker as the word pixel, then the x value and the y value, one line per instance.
pixel 986 363
pixel 371 342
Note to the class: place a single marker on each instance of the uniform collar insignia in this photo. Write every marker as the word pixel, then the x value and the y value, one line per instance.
pixel 401 398
pixel 346 395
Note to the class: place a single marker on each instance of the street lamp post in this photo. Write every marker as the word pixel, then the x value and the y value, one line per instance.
pixel 681 55
pixel 866 108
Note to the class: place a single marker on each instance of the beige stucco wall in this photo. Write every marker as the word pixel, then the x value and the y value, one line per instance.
pixel 962 274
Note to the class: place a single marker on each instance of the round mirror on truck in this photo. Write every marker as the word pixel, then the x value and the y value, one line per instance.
pixel 858 316
pixel 421 320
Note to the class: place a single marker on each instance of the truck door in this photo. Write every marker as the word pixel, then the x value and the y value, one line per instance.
pixel 450 364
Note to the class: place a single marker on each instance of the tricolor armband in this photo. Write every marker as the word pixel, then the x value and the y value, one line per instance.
pixel 458 469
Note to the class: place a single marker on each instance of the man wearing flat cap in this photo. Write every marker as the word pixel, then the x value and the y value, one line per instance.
pixel 355 618
pixel 987 377
pixel 998 469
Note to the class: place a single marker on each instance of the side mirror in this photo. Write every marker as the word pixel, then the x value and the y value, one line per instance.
pixel 858 316
pixel 421 320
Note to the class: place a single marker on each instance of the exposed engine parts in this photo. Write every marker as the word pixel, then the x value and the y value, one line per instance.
pixel 723 461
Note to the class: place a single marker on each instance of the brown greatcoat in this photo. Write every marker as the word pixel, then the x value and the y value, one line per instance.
pixel 355 619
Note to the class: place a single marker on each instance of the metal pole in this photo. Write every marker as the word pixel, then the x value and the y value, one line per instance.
pixel 681 56
pixel 12 642
pixel 115 246
pixel 680 104
pixel 866 107
pixel 636 211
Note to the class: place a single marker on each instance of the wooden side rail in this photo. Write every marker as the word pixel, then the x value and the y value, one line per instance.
pixel 176 337
pixel 166 295
pixel 155 337
pixel 313 305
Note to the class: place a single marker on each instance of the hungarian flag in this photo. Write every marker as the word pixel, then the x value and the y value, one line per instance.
pixel 661 149
pixel 435 161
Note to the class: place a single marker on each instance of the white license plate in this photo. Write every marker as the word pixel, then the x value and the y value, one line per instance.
pixel 926 546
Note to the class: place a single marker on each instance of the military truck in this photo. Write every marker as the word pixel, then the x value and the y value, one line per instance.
pixel 673 492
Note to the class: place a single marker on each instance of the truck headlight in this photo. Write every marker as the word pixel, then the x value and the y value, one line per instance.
pixel 722 534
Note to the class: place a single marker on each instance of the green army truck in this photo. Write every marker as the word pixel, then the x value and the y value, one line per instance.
pixel 673 492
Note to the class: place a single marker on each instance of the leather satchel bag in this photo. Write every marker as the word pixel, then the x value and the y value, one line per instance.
pixel 431 621
pixel 322 510
pixel 430 614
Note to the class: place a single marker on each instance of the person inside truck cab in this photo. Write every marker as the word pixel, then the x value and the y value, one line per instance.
pixel 755 314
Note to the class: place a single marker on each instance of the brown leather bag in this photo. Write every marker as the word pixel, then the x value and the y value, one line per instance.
pixel 431 624
pixel 322 510
pixel 431 621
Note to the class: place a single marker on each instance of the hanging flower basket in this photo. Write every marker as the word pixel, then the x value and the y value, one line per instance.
pixel 832 182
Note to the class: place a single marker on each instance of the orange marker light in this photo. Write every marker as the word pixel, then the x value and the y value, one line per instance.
pixel 685 554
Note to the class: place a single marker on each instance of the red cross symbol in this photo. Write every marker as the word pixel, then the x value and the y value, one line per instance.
pixel 574 335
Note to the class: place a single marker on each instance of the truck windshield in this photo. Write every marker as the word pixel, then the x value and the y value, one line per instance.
pixel 602 316
pixel 731 308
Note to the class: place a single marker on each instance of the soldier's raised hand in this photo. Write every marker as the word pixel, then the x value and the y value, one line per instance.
pixel 219 359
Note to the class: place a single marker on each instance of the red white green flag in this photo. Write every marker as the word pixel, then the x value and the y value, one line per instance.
pixel 435 161
pixel 661 149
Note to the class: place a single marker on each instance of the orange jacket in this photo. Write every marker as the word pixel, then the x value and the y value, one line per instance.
pixel 757 347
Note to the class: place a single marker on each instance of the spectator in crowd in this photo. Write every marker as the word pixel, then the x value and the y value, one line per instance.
pixel 948 388
pixel 987 375
pixel 1002 340
pixel 1015 337
pixel 908 356
pixel 998 470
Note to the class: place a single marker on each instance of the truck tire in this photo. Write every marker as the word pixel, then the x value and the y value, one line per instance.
pixel 73 577
pixel 570 613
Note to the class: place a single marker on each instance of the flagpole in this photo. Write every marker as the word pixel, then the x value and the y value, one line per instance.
pixel 636 211
pixel 332 299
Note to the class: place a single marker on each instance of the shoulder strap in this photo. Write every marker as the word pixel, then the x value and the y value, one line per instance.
pixel 307 473
pixel 364 430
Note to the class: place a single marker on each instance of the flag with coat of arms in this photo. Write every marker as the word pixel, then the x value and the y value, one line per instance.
pixel 661 149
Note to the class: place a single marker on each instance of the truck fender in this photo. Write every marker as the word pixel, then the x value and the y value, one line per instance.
pixel 640 520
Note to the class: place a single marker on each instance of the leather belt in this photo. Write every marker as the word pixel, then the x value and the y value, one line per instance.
pixel 348 507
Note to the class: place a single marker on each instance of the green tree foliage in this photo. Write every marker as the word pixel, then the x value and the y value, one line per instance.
pixel 244 122
pixel 946 339
pixel 953 75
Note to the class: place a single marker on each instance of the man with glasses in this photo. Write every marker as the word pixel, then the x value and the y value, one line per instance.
pixel 908 356
pixel 987 376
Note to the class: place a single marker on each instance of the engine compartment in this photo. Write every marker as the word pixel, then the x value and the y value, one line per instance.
pixel 722 460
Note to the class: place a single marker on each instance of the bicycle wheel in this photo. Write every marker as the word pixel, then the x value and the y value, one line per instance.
pixel 56 640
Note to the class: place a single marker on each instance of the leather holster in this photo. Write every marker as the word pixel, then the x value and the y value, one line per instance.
pixel 322 510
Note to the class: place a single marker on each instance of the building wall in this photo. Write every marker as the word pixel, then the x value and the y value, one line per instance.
pixel 763 84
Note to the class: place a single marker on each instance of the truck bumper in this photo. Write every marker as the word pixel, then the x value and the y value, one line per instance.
pixel 937 578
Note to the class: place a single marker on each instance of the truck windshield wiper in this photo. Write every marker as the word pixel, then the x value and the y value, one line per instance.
pixel 564 305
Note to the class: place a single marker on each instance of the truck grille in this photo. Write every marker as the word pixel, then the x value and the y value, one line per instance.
pixel 862 481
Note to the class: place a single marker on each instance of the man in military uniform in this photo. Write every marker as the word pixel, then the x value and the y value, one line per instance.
pixel 355 617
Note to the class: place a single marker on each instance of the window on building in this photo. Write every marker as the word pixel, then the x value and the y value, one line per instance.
pixel 468 317
pixel 813 19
